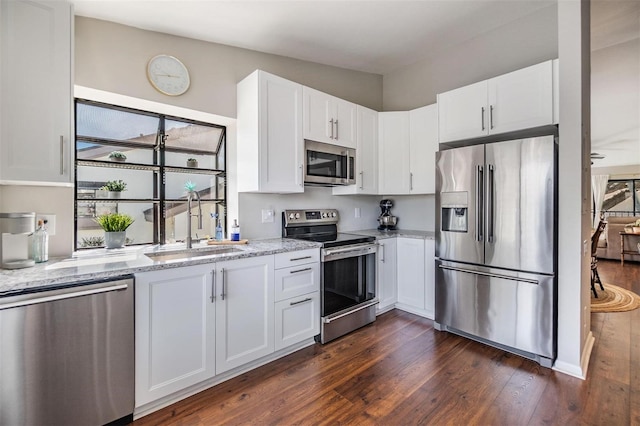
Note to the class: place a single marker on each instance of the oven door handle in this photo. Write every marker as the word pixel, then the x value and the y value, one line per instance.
pixel 327 320
pixel 341 253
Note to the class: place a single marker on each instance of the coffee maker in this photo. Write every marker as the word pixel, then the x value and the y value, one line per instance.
pixel 15 229
pixel 386 219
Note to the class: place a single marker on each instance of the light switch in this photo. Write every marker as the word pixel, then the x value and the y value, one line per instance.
pixel 357 212
pixel 267 216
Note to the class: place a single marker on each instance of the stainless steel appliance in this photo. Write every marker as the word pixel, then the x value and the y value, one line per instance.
pixel 386 220
pixel 348 273
pixel 496 244
pixel 329 165
pixel 67 355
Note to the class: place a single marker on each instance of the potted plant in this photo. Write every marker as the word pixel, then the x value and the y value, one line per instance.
pixel 635 227
pixel 115 187
pixel 114 226
pixel 117 156
pixel 192 162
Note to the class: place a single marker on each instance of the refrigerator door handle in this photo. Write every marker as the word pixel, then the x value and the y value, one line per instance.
pixel 490 203
pixel 487 274
pixel 479 203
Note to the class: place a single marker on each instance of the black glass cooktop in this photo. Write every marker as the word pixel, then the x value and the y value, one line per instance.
pixel 335 240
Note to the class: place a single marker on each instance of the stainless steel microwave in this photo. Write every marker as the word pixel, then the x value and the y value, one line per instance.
pixel 329 165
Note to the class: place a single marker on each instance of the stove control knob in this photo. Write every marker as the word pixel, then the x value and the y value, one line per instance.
pixel 333 214
pixel 291 216
pixel 297 215
pixel 324 214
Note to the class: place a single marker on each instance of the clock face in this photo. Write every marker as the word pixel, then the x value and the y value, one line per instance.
pixel 168 75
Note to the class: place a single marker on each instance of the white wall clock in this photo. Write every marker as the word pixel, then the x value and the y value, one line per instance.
pixel 168 75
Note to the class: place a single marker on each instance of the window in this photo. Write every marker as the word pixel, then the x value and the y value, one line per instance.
pixel 622 198
pixel 153 156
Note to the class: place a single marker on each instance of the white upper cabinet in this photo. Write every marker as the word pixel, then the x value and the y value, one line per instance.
pixel 423 138
pixel 518 100
pixel 36 101
pixel 329 119
pixel 270 142
pixel 407 145
pixel 393 151
pixel 366 155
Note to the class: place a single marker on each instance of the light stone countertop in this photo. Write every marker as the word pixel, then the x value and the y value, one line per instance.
pixel 100 264
pixel 406 233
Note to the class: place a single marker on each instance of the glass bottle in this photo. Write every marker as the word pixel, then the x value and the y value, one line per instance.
pixel 40 243
pixel 235 231
pixel 219 231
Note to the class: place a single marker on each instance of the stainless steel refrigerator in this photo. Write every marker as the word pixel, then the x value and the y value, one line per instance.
pixel 496 245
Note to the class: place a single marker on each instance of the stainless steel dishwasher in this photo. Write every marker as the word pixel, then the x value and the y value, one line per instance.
pixel 67 355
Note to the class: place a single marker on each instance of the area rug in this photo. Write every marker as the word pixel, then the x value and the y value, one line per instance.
pixel 614 299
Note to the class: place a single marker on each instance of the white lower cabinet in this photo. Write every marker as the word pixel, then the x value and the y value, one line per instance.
pixel 244 311
pixel 387 274
pixel 411 273
pixel 175 333
pixel 297 319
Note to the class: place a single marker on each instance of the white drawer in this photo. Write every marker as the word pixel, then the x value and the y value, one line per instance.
pixel 297 280
pixel 297 319
pixel 295 258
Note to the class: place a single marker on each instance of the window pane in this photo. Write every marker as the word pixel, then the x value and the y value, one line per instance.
pixel 192 136
pixel 179 159
pixel 93 151
pixel 176 221
pixel 205 185
pixel 91 235
pixel 139 183
pixel 637 197
pixel 618 198
pixel 108 123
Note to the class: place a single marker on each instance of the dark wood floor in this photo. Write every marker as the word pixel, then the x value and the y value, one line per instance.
pixel 400 371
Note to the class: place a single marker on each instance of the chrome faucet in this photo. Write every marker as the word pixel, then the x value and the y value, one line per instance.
pixel 189 215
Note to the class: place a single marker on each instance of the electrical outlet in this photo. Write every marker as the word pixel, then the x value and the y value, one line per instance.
pixel 51 222
pixel 268 216
pixel 357 212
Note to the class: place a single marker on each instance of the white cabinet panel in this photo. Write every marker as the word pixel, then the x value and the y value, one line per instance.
pixel 244 311
pixel 387 274
pixel 36 101
pixel 297 319
pixel 270 143
pixel 430 277
pixel 411 272
pixel 329 119
pixel 175 333
pixel 462 112
pixel 423 137
pixel 521 99
pixel 297 258
pixel 297 281
pixel 366 155
pixel 393 151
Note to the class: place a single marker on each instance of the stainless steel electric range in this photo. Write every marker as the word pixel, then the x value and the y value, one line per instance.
pixel 348 270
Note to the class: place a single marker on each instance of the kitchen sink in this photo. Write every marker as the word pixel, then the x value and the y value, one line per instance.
pixel 164 256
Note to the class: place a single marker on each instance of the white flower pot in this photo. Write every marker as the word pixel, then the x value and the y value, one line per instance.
pixel 114 239
pixel 114 194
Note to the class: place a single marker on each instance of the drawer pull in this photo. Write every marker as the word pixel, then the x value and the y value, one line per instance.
pixel 308 299
pixel 300 258
pixel 300 270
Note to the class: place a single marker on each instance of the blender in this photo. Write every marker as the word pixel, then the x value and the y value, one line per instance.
pixel 386 219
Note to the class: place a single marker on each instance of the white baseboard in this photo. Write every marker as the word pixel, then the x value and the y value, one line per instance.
pixel 579 371
pixel 412 310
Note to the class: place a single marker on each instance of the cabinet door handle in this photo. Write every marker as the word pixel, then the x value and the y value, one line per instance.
pixel 61 154
pixel 482 117
pixel 336 123
pixel 300 270
pixel 410 181
pixel 491 116
pixel 381 252
pixel 331 122
pixel 308 299
pixel 301 175
pixel 294 259
pixel 213 286
pixel 223 284
pixel 362 180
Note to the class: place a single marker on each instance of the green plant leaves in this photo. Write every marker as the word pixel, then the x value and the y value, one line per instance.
pixel 114 222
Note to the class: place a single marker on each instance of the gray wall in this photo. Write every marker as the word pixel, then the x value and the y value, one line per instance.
pixel 524 42
pixel 114 57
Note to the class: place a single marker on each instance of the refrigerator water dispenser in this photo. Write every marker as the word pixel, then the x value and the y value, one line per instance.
pixel 455 211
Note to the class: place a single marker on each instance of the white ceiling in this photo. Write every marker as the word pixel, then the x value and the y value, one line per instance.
pixel 370 36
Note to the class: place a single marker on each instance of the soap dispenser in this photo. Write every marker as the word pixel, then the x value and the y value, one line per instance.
pixel 235 231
